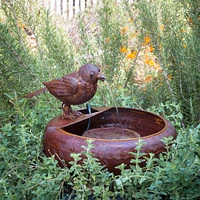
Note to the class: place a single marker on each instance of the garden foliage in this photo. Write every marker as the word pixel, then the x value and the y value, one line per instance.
pixel 149 52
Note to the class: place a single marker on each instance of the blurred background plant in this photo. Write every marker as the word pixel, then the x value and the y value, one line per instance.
pixel 149 52
pixel 173 38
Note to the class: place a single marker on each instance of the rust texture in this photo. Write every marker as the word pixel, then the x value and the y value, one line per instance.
pixel 63 136
pixel 73 89
pixel 111 133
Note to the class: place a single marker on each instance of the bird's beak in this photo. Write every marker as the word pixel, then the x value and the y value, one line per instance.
pixel 101 77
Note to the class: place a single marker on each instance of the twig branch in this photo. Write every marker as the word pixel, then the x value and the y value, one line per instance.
pixel 165 74
pixel 35 35
pixel 15 53
pixel 132 67
pixel 18 29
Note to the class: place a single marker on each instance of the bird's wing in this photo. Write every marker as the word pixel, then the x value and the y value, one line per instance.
pixel 62 87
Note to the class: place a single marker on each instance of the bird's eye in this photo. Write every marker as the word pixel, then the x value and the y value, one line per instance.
pixel 91 74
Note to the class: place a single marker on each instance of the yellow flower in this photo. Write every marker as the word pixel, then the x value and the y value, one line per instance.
pixel 132 55
pixel 124 30
pixel 162 27
pixel 123 49
pixel 19 21
pixel 147 60
pixel 157 67
pixel 131 20
pixel 151 63
pixel 150 49
pixel 144 89
pixel 185 46
pixel 20 24
pixel 183 31
pixel 108 40
pixel 169 77
pixel 146 40
pixel 190 20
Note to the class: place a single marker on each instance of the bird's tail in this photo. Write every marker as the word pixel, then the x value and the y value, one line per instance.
pixel 37 92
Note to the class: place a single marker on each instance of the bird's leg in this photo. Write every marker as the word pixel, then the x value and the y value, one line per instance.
pixel 68 113
pixel 66 110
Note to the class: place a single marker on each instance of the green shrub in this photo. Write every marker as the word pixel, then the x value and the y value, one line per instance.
pixel 173 30
pixel 151 59
pixel 26 173
pixel 32 50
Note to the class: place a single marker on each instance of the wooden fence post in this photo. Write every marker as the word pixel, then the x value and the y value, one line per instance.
pixel 68 9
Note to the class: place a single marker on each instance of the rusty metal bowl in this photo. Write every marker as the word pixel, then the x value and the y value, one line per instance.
pixel 63 137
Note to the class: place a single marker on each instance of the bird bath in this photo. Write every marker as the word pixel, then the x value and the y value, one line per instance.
pixel 113 140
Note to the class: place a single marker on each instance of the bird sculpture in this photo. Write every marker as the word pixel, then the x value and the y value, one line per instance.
pixel 73 89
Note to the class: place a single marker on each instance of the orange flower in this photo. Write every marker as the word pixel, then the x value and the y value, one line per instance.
pixel 150 49
pixel 148 79
pixel 132 55
pixel 183 31
pixel 146 40
pixel 124 30
pixel 123 49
